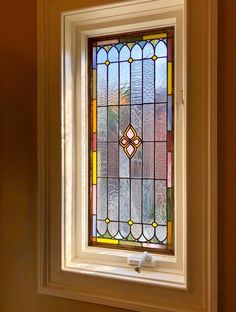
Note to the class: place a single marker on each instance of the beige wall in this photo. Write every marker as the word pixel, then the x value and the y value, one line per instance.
pixel 18 260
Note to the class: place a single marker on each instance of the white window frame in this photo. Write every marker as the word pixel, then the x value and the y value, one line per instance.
pixel 66 261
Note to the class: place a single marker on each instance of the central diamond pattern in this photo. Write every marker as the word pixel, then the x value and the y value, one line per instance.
pixel 130 141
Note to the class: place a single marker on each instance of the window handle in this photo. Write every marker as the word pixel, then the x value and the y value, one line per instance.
pixel 144 260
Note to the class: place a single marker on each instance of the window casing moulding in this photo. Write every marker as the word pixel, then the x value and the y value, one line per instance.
pixel 185 281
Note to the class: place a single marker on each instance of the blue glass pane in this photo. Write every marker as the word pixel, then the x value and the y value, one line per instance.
pixel 148 50
pixel 148 81
pixel 136 52
pixel 113 55
pixel 161 49
pixel 124 200
pixel 136 200
pixel 102 124
pixel 148 201
pixel 124 83
pixel 124 53
pixel 101 198
pixel 112 123
pixel 102 56
pixel 113 199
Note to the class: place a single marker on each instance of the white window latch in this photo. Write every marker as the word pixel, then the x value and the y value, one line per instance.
pixel 144 260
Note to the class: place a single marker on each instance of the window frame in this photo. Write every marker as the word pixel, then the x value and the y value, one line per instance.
pixel 59 270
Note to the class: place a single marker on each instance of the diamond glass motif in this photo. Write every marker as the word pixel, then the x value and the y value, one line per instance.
pixel 130 141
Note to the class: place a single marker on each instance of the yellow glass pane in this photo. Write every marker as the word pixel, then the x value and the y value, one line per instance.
pixel 94 84
pixel 94 116
pixel 149 37
pixel 169 78
pixel 107 241
pixel 170 233
pixel 94 167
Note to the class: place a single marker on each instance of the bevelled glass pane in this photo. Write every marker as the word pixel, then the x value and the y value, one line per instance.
pixel 136 164
pixel 124 200
pixel 101 198
pixel 112 159
pixel 136 82
pixel 160 122
pixel 102 85
pixel 148 160
pixel 160 202
pixel 161 80
pixel 161 49
pixel 160 160
pixel 148 81
pixel 112 123
pixel 124 164
pixel 148 122
pixel 113 199
pixel 113 84
pixel 102 159
pixel 102 124
pixel 136 186
pixel 148 201
pixel 124 83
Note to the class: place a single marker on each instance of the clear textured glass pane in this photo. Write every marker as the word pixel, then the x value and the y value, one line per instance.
pixel 161 233
pixel 148 201
pixel 136 52
pixel 124 83
pixel 136 230
pixel 124 200
pixel 136 82
pixel 136 164
pixel 160 160
pixel 124 164
pixel 136 200
pixel 102 124
pixel 124 119
pixel 148 122
pixel 102 159
pixel 124 53
pixel 112 159
pixel 148 160
pixel 112 123
pixel 113 228
pixel 161 49
pixel 113 55
pixel 102 56
pixel 101 227
pixel 102 85
pixel 124 229
pixel 160 122
pixel 148 50
pixel 113 199
pixel 136 118
pixel 161 80
pixel 148 81
pixel 113 84
pixel 148 231
pixel 101 198
pixel 160 202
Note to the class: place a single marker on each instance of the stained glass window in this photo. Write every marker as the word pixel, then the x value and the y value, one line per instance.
pixel 131 147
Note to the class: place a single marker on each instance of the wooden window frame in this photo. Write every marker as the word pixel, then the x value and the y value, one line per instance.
pixel 68 267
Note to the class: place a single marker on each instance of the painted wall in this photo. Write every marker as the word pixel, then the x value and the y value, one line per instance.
pixel 18 213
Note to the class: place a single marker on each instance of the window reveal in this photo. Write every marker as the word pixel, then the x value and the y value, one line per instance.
pixel 132 135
